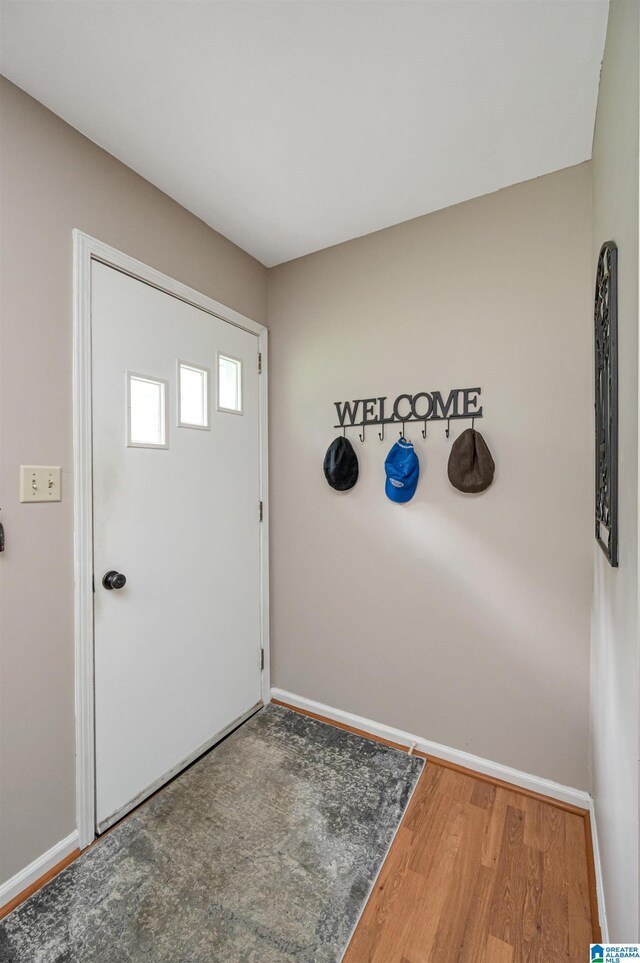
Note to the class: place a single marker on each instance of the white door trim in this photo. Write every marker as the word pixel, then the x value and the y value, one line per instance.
pixel 86 249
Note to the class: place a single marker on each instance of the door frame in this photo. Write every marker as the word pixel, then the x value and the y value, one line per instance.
pixel 85 250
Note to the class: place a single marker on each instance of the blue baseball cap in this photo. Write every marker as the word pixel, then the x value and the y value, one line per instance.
pixel 402 468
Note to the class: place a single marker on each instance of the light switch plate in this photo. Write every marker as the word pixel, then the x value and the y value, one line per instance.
pixel 40 483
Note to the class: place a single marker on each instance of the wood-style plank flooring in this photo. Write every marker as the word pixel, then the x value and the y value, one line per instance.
pixel 480 873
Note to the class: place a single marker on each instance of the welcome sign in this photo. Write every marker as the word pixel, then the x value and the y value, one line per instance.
pixel 423 406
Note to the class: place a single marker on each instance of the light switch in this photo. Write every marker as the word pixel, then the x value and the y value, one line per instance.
pixel 40 483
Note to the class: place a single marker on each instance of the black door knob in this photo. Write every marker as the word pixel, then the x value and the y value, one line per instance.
pixel 114 580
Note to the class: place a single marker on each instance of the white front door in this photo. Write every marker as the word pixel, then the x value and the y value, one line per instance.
pixel 176 491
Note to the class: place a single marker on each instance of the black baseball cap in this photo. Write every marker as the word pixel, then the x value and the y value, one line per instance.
pixel 341 464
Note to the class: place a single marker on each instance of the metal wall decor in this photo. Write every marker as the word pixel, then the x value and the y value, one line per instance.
pixel 606 406
pixel 421 408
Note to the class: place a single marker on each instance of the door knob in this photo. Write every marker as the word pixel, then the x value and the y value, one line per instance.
pixel 114 580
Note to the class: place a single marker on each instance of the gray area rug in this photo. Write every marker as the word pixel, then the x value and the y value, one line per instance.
pixel 264 851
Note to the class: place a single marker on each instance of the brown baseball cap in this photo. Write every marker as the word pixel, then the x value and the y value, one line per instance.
pixel 471 466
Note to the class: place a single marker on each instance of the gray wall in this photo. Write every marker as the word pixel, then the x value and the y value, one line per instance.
pixel 463 619
pixel 53 180
pixel 614 717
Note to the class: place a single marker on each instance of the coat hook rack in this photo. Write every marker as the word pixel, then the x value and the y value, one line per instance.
pixel 459 404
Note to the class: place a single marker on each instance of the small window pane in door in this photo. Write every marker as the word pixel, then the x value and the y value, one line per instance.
pixel 193 394
pixel 229 384
pixel 147 412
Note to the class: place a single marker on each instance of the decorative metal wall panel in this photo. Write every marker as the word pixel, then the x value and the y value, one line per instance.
pixel 606 372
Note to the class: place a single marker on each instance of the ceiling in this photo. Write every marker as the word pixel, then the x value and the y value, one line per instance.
pixel 291 126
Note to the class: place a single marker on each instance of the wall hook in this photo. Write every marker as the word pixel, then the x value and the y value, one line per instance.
pixel 424 430
pixel 361 436
pixel 473 422
pixel 344 431
pixel 446 431
pixel 381 433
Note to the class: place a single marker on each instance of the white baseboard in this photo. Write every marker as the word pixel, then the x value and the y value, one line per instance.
pixel 574 797
pixel 602 912
pixel 25 877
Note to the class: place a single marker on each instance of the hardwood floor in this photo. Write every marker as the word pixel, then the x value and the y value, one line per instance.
pixel 480 872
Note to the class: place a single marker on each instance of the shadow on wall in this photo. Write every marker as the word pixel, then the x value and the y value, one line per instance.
pixel 442 572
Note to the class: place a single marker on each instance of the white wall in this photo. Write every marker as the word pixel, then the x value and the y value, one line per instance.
pixel 614 712
pixel 53 180
pixel 463 619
